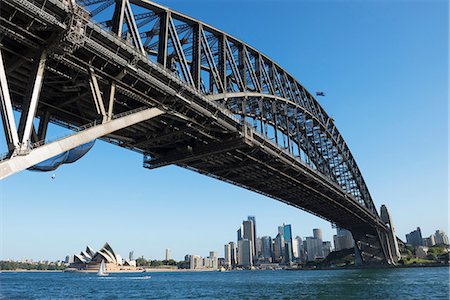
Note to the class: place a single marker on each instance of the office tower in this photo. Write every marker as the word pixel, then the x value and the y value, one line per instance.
pixel 253 219
pixel 441 237
pixel 326 248
pixel 314 248
pixel 227 255
pixel 168 254
pixel 288 253
pixel 299 247
pixel 415 238
pixel 258 251
pixel 245 253
pixel 295 251
pixel 249 234
pixel 317 233
pixel 266 247
pixel 278 248
pixel 239 233
pixel 343 239
pixel 233 253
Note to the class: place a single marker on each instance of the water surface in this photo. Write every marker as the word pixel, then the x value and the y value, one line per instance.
pixel 413 283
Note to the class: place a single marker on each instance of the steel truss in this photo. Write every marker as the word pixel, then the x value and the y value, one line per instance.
pixel 230 112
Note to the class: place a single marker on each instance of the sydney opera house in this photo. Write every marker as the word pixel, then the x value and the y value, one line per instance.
pixel 90 260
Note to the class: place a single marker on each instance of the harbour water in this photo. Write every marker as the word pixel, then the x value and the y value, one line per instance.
pixel 411 283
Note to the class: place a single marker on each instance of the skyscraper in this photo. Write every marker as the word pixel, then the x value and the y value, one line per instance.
pixel 266 247
pixel 168 254
pixel 233 253
pixel 314 248
pixel 249 234
pixel 239 233
pixel 343 239
pixel 227 255
pixel 317 233
pixel 253 219
pixel 278 248
pixel 288 252
pixel 245 253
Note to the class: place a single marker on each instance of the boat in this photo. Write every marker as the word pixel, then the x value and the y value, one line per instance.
pixel 102 269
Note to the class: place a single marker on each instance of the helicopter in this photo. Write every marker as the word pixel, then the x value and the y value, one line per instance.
pixel 320 93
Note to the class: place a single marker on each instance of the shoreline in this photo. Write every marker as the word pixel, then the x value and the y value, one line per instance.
pixel 150 270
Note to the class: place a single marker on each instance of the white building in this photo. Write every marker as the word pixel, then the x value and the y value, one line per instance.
pixel 227 255
pixel 343 239
pixel 314 248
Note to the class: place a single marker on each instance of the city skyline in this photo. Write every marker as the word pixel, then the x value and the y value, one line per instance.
pixel 392 164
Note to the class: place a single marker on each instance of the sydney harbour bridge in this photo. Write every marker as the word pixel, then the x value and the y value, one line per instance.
pixel 155 81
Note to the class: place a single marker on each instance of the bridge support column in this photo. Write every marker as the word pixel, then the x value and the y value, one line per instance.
pixel 9 125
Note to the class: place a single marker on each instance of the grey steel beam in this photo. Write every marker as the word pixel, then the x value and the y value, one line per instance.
pixel 31 100
pixel 39 154
pixel 9 125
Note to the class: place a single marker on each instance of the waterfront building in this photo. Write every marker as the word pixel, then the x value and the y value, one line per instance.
pixel 258 251
pixel 314 248
pixel 441 237
pixel 195 262
pixel 245 253
pixel 239 233
pixel 227 255
pixel 90 260
pixel 287 235
pixel 297 247
pixel 429 241
pixel 326 248
pixel 317 233
pixel 249 234
pixel 253 220
pixel 168 254
pixel 343 239
pixel 266 248
pixel 414 238
pixel 278 248
pixel 233 253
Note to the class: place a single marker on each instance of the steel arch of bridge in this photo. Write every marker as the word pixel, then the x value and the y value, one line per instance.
pixel 243 79
pixel 208 87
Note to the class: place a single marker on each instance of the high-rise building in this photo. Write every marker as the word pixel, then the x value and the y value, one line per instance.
pixel 314 248
pixel 245 253
pixel 233 253
pixel 441 237
pixel 253 219
pixel 326 248
pixel 258 251
pixel 227 255
pixel 297 247
pixel 168 254
pixel 239 233
pixel 288 252
pixel 278 248
pixel 317 233
pixel 249 234
pixel 343 239
pixel 266 247
pixel 415 238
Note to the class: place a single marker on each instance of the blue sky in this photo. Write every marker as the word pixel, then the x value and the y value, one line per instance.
pixel 384 68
